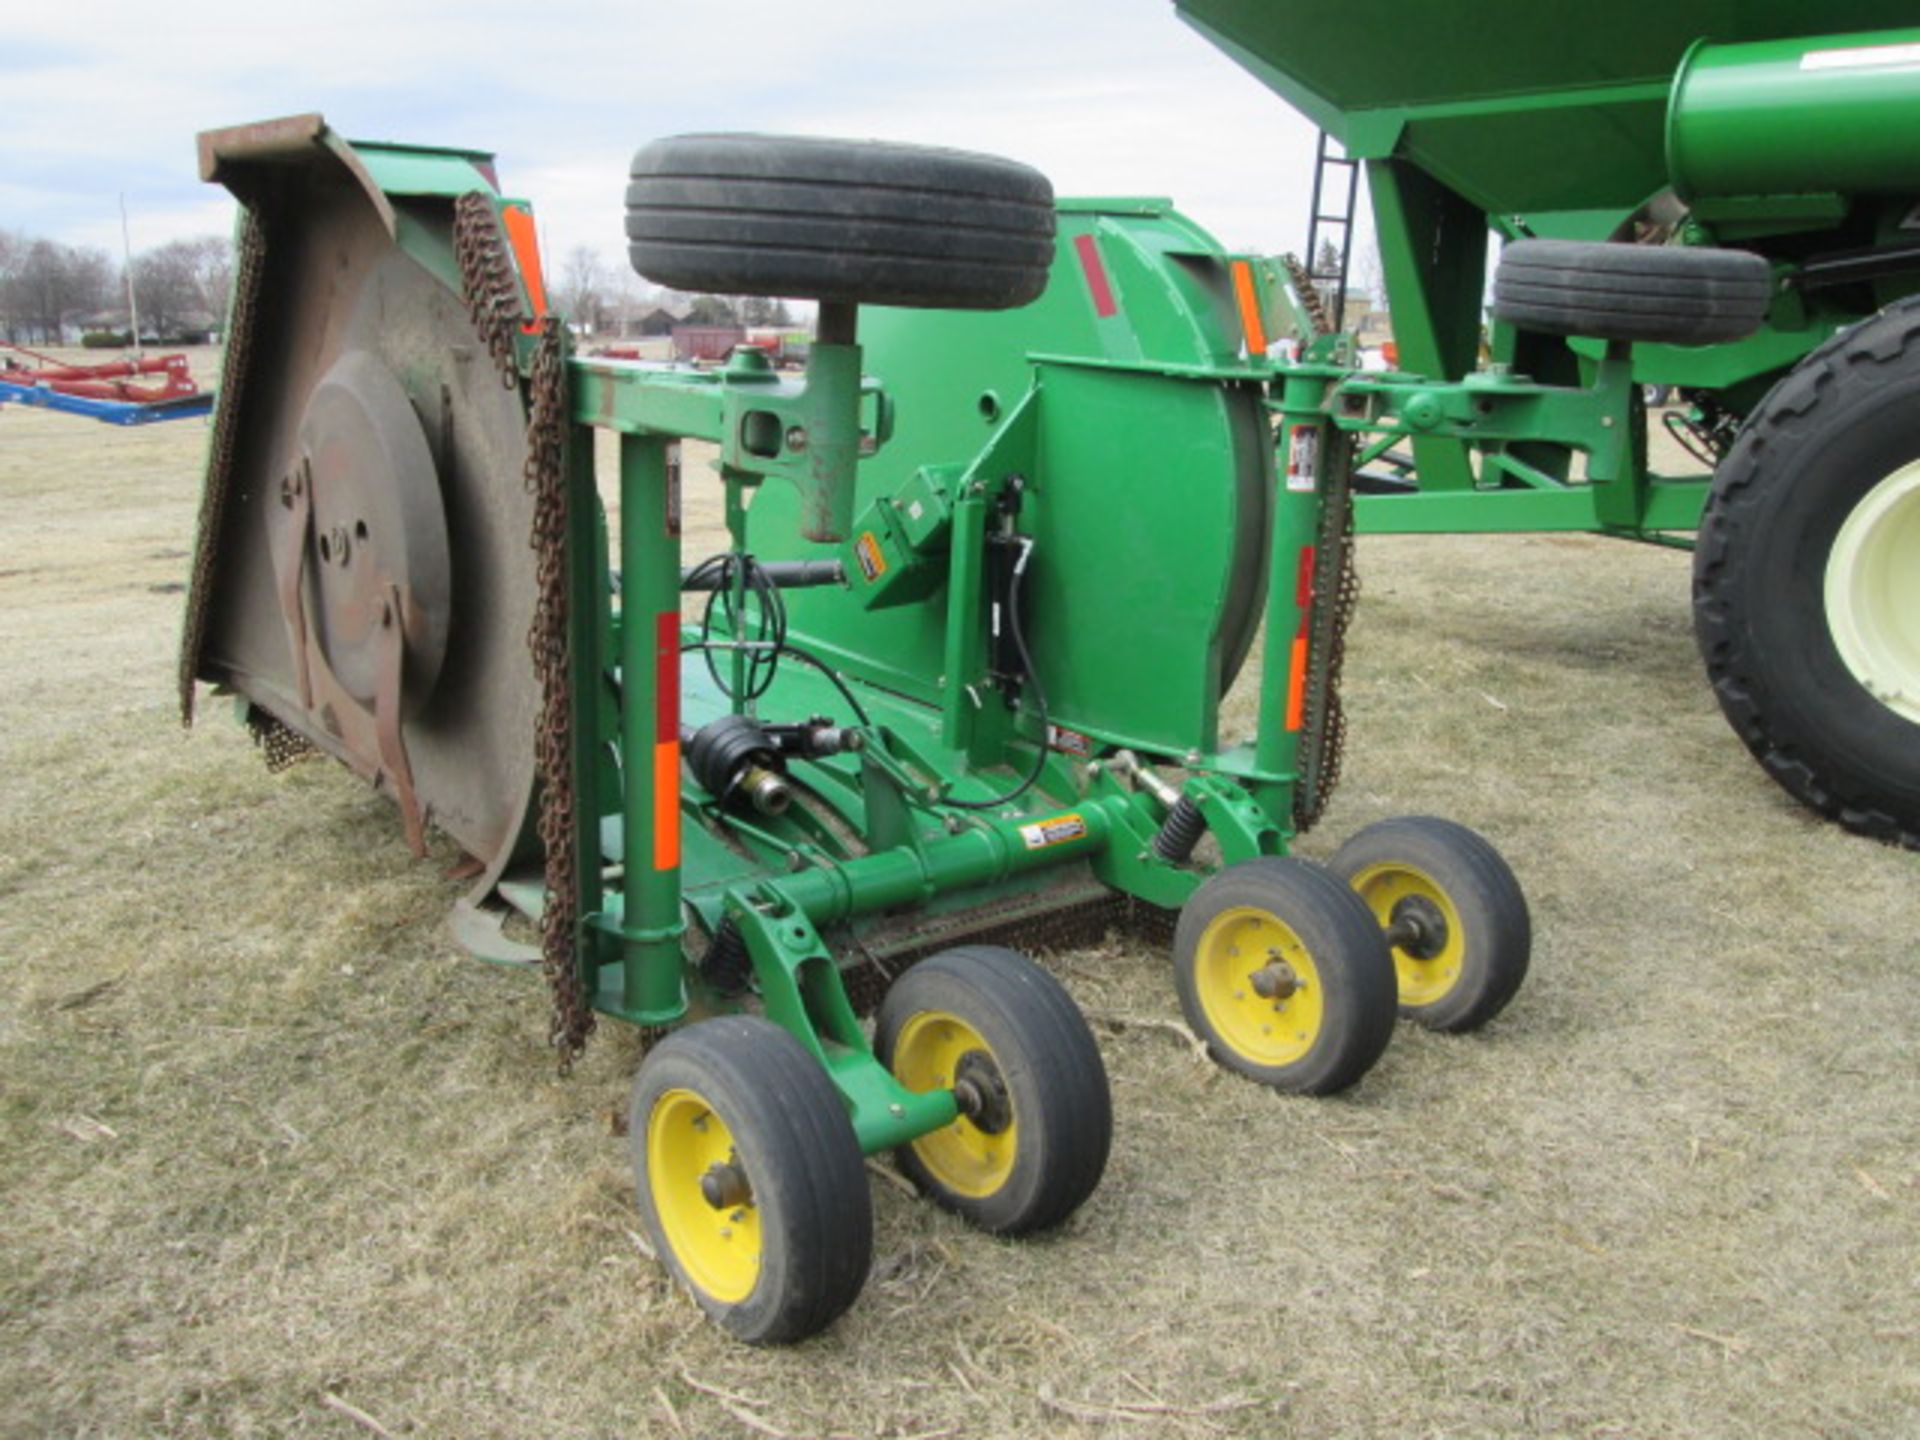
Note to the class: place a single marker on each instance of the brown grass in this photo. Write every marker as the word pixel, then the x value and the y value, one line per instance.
pixel 279 1160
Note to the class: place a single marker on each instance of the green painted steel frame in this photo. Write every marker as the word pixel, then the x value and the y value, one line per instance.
pixel 631 937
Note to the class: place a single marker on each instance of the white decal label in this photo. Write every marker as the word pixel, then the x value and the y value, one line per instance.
pixel 1303 458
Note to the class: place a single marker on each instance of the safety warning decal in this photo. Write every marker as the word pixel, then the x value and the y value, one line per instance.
pixel 866 550
pixel 1057 831
pixel 1303 458
pixel 1070 742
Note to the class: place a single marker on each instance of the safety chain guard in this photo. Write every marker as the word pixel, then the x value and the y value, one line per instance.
pixel 249 265
pixel 546 481
pixel 491 288
pixel 487 279
pixel 1324 742
pixel 1311 300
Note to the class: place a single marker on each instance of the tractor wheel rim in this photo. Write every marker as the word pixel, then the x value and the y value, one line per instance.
pixel 718 1248
pixel 1264 1029
pixel 962 1157
pixel 1423 979
pixel 1873 592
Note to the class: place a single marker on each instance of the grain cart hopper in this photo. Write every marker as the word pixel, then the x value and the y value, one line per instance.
pixel 1717 195
pixel 956 680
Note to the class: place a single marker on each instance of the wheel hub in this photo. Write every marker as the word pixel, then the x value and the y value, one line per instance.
pixel 724 1186
pixel 981 1092
pixel 1276 980
pixel 1417 927
pixel 1873 592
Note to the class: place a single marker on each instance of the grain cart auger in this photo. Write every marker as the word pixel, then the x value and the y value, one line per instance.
pixel 1718 196
pixel 934 697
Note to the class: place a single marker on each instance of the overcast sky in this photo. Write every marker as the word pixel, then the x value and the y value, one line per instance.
pixel 1108 97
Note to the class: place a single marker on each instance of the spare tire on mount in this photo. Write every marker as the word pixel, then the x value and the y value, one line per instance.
pixel 840 221
pixel 1676 294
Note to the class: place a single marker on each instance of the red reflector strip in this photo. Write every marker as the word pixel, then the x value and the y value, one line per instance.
pixel 1249 301
pixel 1303 583
pixel 666 676
pixel 1096 272
pixel 666 746
pixel 526 254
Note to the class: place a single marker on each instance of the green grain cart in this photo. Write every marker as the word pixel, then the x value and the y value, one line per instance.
pixel 1718 196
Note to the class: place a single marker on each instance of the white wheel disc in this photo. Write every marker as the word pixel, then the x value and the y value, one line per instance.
pixel 1873 592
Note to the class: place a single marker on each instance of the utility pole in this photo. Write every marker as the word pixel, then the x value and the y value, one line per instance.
pixel 126 248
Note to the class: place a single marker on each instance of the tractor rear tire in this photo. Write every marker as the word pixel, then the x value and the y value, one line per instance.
pixel 1806 579
pixel 1680 295
pixel 850 221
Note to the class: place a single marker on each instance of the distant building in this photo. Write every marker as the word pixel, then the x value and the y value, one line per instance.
pixel 657 322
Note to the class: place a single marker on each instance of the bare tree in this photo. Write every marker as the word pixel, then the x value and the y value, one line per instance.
pixel 585 288
pixel 49 284
pixel 183 284
pixel 712 310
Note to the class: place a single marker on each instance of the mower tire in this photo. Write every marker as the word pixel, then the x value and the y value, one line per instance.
pixel 1282 971
pixel 853 221
pixel 1806 579
pixel 752 1186
pixel 1462 933
pixel 1680 295
pixel 1036 1119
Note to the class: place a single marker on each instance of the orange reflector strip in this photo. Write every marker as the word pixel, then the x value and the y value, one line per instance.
pixel 1297 667
pixel 666 805
pixel 526 254
pixel 1244 292
pixel 1297 684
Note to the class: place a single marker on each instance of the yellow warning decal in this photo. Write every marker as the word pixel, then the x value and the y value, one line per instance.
pixel 1057 831
pixel 867 551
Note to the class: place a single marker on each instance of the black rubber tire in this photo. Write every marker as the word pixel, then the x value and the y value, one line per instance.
pixel 1682 295
pixel 858 221
pixel 1053 1077
pixel 1656 396
pixel 1347 954
pixel 796 1144
pixel 1454 869
pixel 1842 420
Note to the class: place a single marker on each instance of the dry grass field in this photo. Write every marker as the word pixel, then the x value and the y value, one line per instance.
pixel 277 1159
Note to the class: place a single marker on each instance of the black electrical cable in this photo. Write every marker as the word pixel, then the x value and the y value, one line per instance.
pixel 768 626
pixel 1032 679
pixel 769 641
pixel 797 653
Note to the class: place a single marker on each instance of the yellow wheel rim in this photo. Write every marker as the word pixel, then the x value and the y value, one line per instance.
pixel 961 1156
pixel 1242 953
pixel 1424 980
pixel 719 1249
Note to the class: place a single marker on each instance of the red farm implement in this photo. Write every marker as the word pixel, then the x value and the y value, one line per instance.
pixel 107 391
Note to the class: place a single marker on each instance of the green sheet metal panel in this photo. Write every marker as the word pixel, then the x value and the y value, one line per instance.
pixel 1517 105
pixel 1165 495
